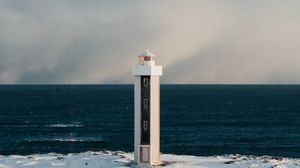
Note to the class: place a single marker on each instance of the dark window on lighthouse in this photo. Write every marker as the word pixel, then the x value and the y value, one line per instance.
pixel 145 103
pixel 145 110
pixel 146 82
pixel 145 125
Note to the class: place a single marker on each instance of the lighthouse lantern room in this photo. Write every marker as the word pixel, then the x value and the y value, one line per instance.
pixel 147 110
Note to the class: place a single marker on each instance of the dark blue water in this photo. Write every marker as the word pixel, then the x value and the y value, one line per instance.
pixel 195 119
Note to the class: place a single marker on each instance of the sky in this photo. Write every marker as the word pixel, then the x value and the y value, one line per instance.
pixel 196 41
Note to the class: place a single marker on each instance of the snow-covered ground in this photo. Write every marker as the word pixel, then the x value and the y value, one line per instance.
pixel 108 159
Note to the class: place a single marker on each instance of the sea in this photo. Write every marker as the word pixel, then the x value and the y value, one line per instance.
pixel 200 120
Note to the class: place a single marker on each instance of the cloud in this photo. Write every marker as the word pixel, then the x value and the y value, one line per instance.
pixel 258 45
pixel 196 41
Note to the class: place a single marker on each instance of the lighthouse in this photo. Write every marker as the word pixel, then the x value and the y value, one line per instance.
pixel 147 110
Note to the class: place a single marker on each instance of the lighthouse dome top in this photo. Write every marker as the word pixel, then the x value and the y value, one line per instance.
pixel 146 65
pixel 147 53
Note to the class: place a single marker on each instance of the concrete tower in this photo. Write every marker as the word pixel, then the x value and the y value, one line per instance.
pixel 147 110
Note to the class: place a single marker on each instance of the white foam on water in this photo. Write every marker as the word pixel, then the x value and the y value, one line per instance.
pixel 66 139
pixel 71 125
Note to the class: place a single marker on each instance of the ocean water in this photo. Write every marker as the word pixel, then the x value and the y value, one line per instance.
pixel 197 120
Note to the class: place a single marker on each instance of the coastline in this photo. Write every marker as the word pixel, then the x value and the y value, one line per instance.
pixel 118 159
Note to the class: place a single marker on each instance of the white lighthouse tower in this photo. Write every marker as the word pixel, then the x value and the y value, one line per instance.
pixel 147 110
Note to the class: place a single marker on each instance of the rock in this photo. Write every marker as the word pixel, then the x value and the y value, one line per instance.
pixel 60 158
pixel 229 162
pixel 106 152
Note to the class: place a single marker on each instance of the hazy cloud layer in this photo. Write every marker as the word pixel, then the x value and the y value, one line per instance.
pixel 92 41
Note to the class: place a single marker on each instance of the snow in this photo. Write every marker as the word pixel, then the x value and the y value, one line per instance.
pixel 109 159
pixel 147 53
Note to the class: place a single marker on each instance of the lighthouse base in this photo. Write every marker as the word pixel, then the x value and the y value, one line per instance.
pixel 144 156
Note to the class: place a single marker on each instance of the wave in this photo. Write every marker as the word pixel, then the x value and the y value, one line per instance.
pixel 30 124
pixel 71 125
pixel 64 139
